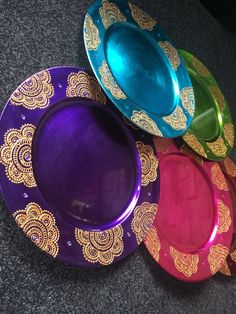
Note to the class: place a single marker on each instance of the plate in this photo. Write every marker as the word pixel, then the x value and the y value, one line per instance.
pixel 70 169
pixel 211 133
pixel 192 231
pixel 139 67
pixel 228 167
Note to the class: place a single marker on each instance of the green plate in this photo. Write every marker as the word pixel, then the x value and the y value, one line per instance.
pixel 211 133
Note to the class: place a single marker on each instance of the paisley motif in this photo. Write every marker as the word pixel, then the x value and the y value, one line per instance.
pixel 230 167
pixel 142 120
pixel 162 145
pixel 216 92
pixel 224 219
pixel 229 133
pixel 188 100
pixel 109 82
pixel 218 178
pixel 149 163
pixel 153 243
pixel 144 20
pixel 217 257
pixel 171 53
pixel 143 219
pixel 185 263
pixel 200 67
pixel 35 92
pixel 15 155
pixel 82 85
pixel 40 226
pixel 101 247
pixel 177 119
pixel 110 14
pixel 192 141
pixel 218 147
pixel 91 34
pixel 225 270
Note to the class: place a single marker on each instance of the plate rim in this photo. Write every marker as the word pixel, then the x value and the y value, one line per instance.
pixel 228 168
pixel 60 75
pixel 199 146
pixel 153 124
pixel 200 264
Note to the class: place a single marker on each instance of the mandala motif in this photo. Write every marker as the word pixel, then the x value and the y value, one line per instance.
pixel 217 257
pixel 230 167
pixel 225 270
pixel 15 155
pixel 192 141
pixel 188 151
pixel 82 85
pixel 109 82
pixel 218 178
pixel 91 34
pixel 162 145
pixel 229 133
pixel 101 247
pixel 224 220
pixel 188 100
pixel 144 216
pixel 185 263
pixel 110 14
pixel 35 92
pixel 216 92
pixel 142 120
pixel 40 226
pixel 218 147
pixel 233 256
pixel 149 163
pixel 153 243
pixel 171 53
pixel 144 20
pixel 200 67
pixel 177 119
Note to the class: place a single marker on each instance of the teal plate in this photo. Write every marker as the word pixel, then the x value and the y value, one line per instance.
pixel 139 68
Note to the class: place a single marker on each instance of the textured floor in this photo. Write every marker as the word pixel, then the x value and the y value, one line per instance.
pixel 38 34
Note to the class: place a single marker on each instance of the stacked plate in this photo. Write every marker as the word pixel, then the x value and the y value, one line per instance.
pixel 89 175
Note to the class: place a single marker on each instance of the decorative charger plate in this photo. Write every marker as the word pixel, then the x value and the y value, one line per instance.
pixel 211 133
pixel 139 68
pixel 228 167
pixel 79 182
pixel 192 231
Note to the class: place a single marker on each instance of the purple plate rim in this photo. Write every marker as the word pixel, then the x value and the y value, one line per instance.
pixel 65 242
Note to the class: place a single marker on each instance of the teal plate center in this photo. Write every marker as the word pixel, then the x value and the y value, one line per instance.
pixel 141 69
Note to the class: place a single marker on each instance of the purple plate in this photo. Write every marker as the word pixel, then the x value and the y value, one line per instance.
pixel 82 184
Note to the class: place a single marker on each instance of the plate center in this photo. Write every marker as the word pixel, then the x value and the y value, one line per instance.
pixel 207 121
pixel 141 69
pixel 86 164
pixel 186 208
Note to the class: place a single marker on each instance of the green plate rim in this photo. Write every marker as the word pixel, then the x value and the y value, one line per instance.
pixel 222 146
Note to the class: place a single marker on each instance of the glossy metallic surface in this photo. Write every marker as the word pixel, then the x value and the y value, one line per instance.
pixel 212 116
pixel 70 170
pixel 228 167
pixel 77 174
pixel 192 231
pixel 138 67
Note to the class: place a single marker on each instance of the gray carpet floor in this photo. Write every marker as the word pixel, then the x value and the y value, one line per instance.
pixel 38 34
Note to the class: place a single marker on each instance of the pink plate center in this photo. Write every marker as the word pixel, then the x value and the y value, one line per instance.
pixel 186 209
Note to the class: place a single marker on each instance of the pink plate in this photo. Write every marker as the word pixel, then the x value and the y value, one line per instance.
pixel 192 231
pixel 229 169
